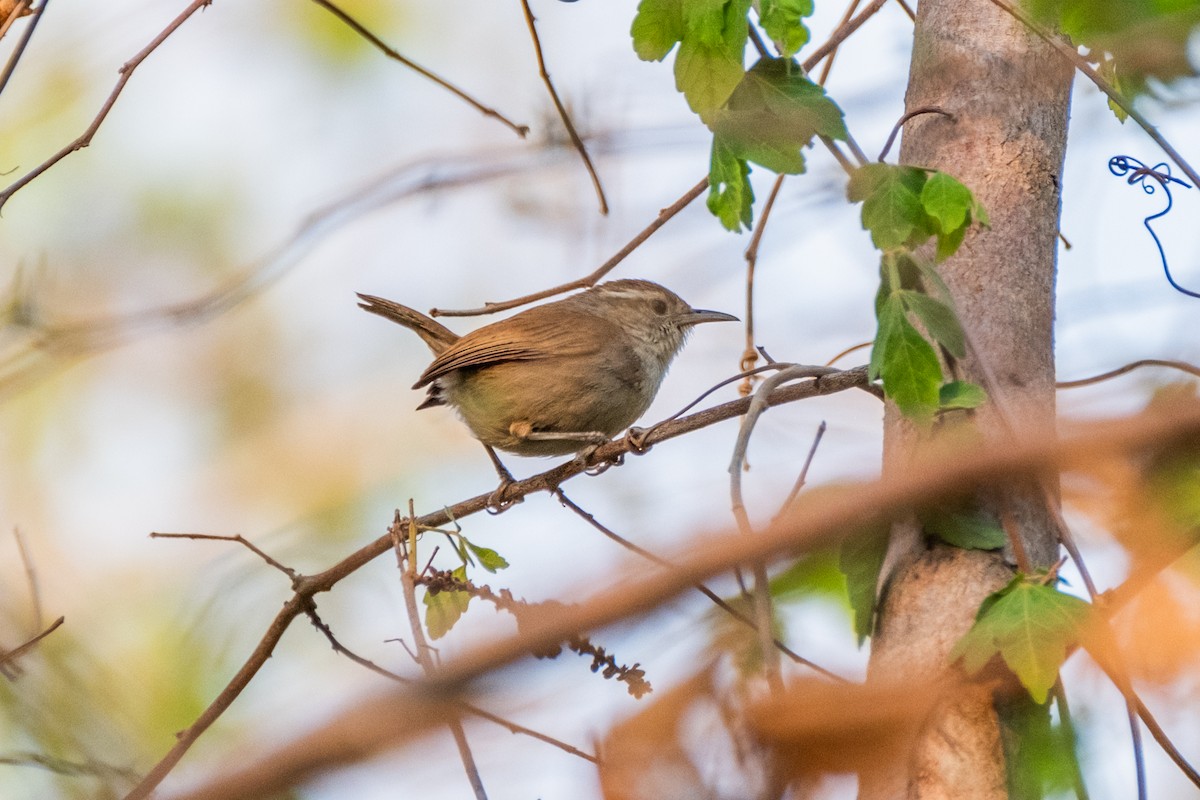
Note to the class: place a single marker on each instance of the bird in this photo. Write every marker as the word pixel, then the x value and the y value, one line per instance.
pixel 559 378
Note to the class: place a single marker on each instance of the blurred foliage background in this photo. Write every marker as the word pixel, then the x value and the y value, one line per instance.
pixel 180 350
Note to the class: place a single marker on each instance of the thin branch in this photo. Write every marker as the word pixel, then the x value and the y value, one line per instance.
pixel 1165 742
pixel 405 562
pixel 35 595
pixel 1067 724
pixel 1081 64
pixel 25 647
pixel 916 112
pixel 238 538
pixel 850 9
pixel 848 351
pixel 371 725
pixel 562 111
pixel 802 478
pixel 18 10
pixel 357 27
pixel 750 354
pixel 308 586
pixel 716 599
pixel 126 72
pixel 907 10
pixel 590 279
pixel 763 613
pixel 1183 366
pixel 840 35
pixel 509 725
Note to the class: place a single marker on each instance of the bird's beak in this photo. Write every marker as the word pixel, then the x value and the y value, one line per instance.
pixel 699 315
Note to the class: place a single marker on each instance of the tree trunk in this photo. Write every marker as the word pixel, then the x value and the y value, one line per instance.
pixel 1009 94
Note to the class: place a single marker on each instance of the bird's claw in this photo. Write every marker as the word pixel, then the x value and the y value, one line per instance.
pixel 635 438
pixel 498 502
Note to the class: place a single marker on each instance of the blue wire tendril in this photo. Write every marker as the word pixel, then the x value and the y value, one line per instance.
pixel 1161 173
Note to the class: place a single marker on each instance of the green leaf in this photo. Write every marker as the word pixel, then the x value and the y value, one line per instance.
pixel 1030 626
pixel 813 574
pixel 892 211
pixel 488 559
pixel 970 529
pixel 947 201
pixel 948 243
pixel 961 394
pixel 657 28
pixel 861 559
pixel 781 19
pixel 444 609
pixel 730 196
pixel 709 63
pixel 907 363
pixel 1145 40
pixel 773 113
pixel 939 319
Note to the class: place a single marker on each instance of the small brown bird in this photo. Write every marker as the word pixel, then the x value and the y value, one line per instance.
pixel 558 378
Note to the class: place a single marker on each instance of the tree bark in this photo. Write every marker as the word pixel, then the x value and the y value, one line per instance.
pixel 1009 94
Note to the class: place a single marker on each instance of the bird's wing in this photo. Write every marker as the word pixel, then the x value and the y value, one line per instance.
pixel 529 336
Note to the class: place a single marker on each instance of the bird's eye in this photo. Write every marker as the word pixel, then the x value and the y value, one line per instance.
pixel 659 306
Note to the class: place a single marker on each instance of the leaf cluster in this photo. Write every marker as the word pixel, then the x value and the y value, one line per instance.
pixel 1133 42
pixel 1028 625
pixel 765 115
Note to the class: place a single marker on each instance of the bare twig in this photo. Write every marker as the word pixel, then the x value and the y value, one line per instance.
pixel 1182 366
pixel 840 35
pixel 848 351
pixel 763 613
pixel 1081 64
pixel 361 30
pixel 20 9
pixel 238 538
pixel 406 555
pixel 308 586
pixel 562 111
pixel 25 647
pixel 907 10
pixel 370 726
pixel 916 112
pixel 750 354
pixel 35 595
pixel 590 279
pixel 126 73
pixel 802 478
pixel 716 599
pixel 850 9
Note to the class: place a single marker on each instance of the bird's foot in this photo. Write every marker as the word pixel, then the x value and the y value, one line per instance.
pixel 635 438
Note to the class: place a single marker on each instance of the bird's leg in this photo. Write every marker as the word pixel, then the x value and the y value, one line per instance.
pixel 496 501
pixel 592 440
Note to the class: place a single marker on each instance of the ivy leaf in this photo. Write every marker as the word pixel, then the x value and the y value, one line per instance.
pixel 444 609
pixel 730 196
pixel 488 559
pixel 861 559
pixel 970 529
pixel 1030 626
pixel 938 318
pixel 907 363
pixel 657 28
pixel 781 19
pixel 773 113
pixel 961 394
